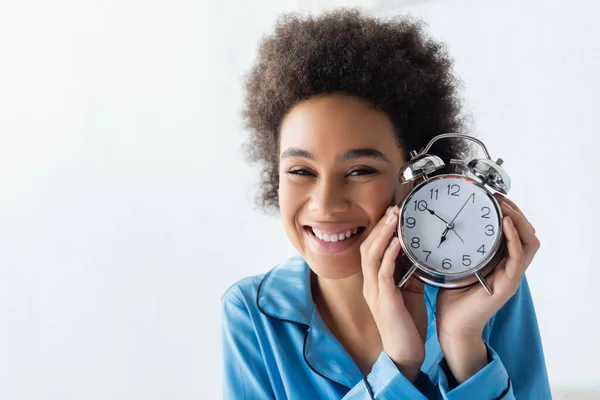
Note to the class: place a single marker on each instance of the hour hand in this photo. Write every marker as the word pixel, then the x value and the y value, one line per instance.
pixel 443 238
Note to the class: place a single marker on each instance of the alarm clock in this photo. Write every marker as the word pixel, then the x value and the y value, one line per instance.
pixel 450 225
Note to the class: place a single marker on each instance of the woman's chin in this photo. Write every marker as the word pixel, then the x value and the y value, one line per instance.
pixel 330 268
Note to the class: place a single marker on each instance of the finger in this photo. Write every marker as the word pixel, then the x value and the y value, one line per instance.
pixel 513 205
pixel 386 282
pixel 515 265
pixel 530 241
pixel 374 232
pixel 517 209
pixel 503 199
pixel 382 240
pixel 370 260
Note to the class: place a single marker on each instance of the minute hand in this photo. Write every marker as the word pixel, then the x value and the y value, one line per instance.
pixel 472 195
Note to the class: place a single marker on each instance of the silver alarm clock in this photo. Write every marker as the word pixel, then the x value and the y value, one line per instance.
pixel 450 225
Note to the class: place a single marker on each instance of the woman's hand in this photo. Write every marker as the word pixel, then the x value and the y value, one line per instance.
pixel 401 316
pixel 463 314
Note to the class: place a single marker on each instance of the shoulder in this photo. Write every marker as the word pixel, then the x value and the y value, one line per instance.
pixel 248 289
pixel 282 293
pixel 244 291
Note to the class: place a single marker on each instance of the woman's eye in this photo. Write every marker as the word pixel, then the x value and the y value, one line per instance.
pixel 362 172
pixel 300 172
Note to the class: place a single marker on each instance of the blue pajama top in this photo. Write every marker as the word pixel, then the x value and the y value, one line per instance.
pixel 276 346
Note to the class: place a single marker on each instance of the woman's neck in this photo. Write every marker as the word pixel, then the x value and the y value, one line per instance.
pixel 342 305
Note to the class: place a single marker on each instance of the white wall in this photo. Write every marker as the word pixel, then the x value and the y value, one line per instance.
pixel 126 209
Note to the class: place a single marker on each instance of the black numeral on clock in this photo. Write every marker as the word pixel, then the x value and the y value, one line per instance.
pixel 431 191
pixel 428 254
pixel 421 205
pixel 416 243
pixel 453 190
pixel 411 222
pixel 489 230
pixel 446 263
pixel 481 249
pixel 487 214
pixel 466 260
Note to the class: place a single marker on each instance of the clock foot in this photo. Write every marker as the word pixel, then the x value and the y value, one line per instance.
pixel 484 283
pixel 407 276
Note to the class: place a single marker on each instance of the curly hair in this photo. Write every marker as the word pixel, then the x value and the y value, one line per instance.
pixel 392 64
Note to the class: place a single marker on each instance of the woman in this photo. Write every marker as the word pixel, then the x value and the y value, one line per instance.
pixel 335 104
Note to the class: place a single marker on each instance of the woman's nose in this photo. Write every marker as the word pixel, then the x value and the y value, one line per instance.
pixel 329 197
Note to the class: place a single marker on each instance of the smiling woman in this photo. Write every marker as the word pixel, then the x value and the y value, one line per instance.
pixel 337 172
pixel 334 106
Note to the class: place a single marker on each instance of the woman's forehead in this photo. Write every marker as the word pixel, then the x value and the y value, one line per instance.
pixel 336 122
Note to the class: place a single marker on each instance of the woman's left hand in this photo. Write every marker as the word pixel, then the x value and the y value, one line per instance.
pixel 462 314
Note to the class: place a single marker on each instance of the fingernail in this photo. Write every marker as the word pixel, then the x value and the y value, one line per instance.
pixel 389 219
pixel 388 211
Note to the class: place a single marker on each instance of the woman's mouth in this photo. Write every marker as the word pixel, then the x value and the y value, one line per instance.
pixel 333 242
pixel 337 236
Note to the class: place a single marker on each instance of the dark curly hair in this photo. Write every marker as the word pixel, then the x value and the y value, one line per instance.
pixel 392 64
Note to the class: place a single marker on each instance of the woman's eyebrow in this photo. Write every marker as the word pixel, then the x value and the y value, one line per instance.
pixel 363 153
pixel 294 152
pixel 348 155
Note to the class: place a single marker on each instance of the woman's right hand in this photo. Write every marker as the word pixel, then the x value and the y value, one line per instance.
pixel 400 315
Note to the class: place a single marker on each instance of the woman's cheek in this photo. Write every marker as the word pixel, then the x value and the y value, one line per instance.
pixel 290 196
pixel 376 194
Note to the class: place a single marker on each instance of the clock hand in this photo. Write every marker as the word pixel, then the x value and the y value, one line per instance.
pixel 443 238
pixel 472 194
pixel 433 213
pixel 453 228
pixel 456 233
pixel 450 226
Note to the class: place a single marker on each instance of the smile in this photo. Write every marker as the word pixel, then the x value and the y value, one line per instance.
pixel 333 242
pixel 336 237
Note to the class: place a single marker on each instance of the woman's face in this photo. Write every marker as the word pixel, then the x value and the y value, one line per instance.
pixel 338 168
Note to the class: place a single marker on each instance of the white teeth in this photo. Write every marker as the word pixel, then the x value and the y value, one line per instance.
pixel 336 236
pixel 317 233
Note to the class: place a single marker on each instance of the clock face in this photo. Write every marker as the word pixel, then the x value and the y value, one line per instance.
pixel 450 224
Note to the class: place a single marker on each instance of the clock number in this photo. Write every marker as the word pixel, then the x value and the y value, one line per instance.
pixel 446 263
pixel 489 230
pixel 481 249
pixel 453 187
pixel 428 254
pixel 411 222
pixel 416 243
pixel 466 258
pixel 436 194
pixel 421 205
pixel 488 212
